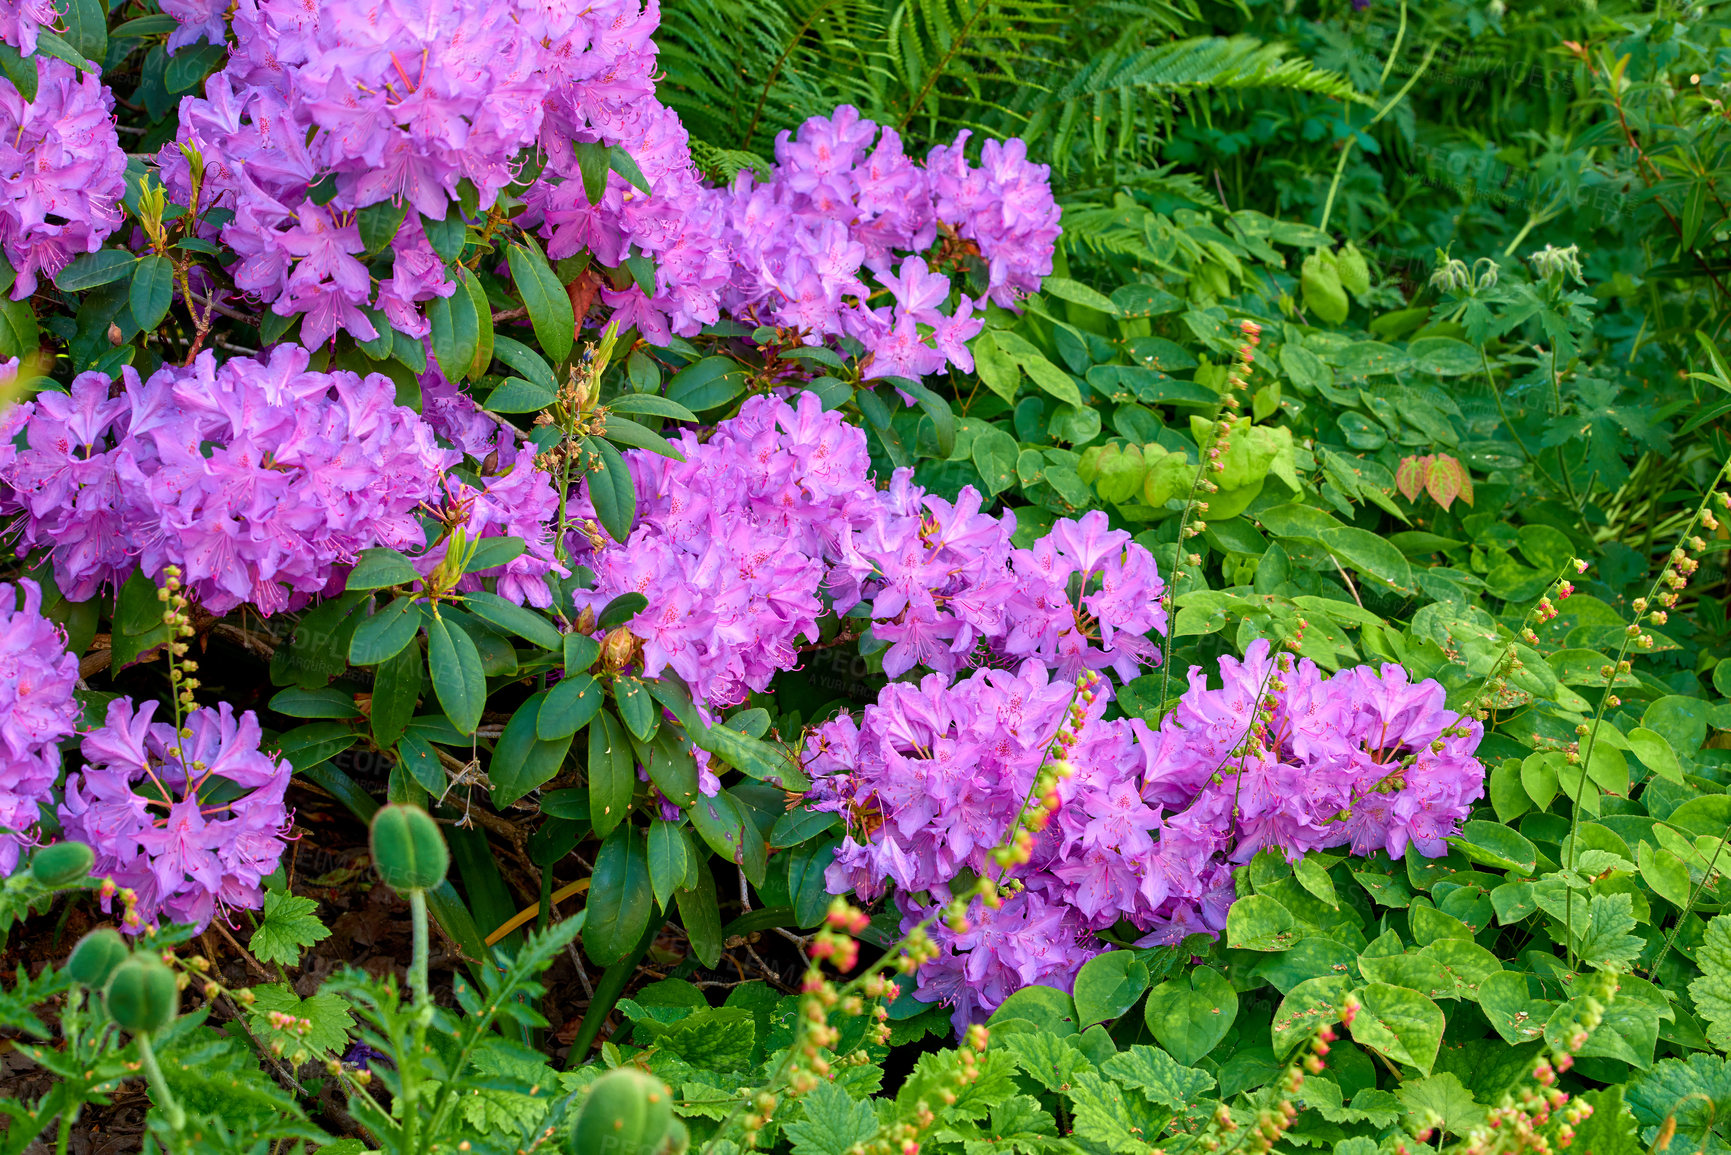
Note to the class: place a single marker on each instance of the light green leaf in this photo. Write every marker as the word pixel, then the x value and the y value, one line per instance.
pixel 288 925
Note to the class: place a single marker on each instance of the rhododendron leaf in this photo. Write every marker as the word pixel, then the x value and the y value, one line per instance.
pixel 621 897
pixel 621 610
pixel 22 72
pixel 571 705
pixel 511 617
pixel 152 290
pixel 612 774
pixel 722 822
pixel 380 568
pixel 594 164
pixel 423 764
pixel 620 162
pixel 712 382
pixel 1400 1023
pixel 800 824
pixel 458 678
pixel 102 267
pixel 701 915
pixel 446 234
pixel 650 404
pixel 669 859
pixel 298 702
pixel 379 223
pixel 627 432
pixel 518 395
pixel 762 760
pixel 138 625
pixel 456 332
pixel 316 742
pixel 396 691
pixel 942 417
pixel 526 361
pixel 806 865
pixel 581 650
pixel 188 67
pixel 1189 1015
pixel 156 24
pixel 84 26
pixel 385 633
pixel 1108 985
pixel 521 760
pixel 636 708
pixel 545 298
pixel 611 490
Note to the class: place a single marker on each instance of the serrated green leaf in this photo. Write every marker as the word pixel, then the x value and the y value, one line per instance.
pixel 287 925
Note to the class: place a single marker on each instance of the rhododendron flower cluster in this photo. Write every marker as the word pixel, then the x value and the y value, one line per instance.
pixel 1141 827
pixel 190 822
pixel 37 710
pixel 262 480
pixel 62 170
pixel 838 208
pixel 739 547
pixel 376 103
pixel 599 64
pixel 330 108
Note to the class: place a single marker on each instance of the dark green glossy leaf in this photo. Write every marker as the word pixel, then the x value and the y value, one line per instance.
pixel 380 568
pixel 612 773
pixel 102 267
pixel 396 690
pixel 621 897
pixel 670 855
pixel 521 760
pixel 458 679
pixel 610 490
pixel 298 702
pixel 571 705
pixel 385 633
pixel 513 618
pixel 152 291
pixel 548 304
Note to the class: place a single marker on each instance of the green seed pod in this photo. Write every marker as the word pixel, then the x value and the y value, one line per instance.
pixel 408 850
pixel 142 994
pixel 628 1112
pixel 62 864
pixel 1354 270
pixel 93 960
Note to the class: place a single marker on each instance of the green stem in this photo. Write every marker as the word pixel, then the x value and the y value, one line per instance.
pixel 418 961
pixel 65 1135
pixel 159 1085
pixel 1346 149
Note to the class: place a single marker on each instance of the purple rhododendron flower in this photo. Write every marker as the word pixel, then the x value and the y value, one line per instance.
pixel 191 823
pixel 62 170
pixel 1144 826
pixel 37 710
pixel 22 20
pixel 739 547
pixel 261 479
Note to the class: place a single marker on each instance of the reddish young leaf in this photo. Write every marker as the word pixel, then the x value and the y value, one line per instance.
pixel 1410 477
pixel 1448 480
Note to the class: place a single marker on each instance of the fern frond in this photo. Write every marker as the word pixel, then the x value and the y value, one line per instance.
pixel 1113 86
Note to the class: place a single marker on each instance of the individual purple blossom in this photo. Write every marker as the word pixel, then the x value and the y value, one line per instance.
pixel 1004 208
pixel 22 20
pixel 190 822
pixel 61 167
pixel 37 710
